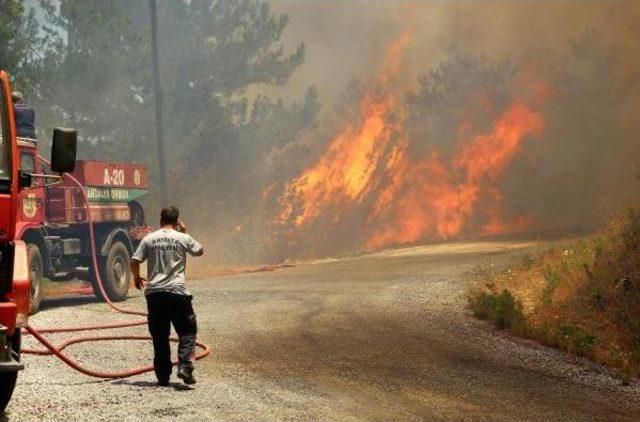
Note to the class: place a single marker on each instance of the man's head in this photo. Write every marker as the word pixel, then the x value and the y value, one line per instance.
pixel 17 97
pixel 169 216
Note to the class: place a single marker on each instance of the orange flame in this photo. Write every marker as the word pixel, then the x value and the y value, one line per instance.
pixel 407 199
pixel 345 171
pixel 430 199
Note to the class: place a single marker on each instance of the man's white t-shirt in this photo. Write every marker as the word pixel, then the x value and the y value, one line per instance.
pixel 166 251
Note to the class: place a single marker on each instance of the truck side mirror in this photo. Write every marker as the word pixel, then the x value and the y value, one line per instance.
pixel 63 150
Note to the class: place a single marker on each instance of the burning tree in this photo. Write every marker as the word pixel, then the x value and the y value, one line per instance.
pixel 424 169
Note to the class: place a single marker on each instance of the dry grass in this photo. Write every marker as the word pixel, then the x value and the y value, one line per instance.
pixel 584 298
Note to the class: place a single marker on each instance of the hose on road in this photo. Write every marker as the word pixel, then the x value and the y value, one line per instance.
pixel 56 350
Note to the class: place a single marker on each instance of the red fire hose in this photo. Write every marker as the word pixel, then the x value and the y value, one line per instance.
pixel 56 350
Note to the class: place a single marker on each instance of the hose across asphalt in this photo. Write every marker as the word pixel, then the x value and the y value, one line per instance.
pixel 56 350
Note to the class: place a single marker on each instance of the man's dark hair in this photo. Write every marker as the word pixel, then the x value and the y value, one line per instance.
pixel 169 215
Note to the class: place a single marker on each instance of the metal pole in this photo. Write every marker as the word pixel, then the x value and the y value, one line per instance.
pixel 157 93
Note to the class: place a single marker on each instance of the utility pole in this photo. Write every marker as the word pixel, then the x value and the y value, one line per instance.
pixel 157 93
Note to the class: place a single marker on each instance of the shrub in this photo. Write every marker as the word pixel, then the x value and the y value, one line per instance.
pixel 481 304
pixel 552 280
pixel 576 340
pixel 503 309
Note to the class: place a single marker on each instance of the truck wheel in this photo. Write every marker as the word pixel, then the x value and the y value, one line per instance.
pixel 35 277
pixel 7 384
pixel 8 379
pixel 115 272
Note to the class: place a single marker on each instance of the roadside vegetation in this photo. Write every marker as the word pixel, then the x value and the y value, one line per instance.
pixel 583 298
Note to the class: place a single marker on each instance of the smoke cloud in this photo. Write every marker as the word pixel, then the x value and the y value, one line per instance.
pixel 356 125
pixel 502 118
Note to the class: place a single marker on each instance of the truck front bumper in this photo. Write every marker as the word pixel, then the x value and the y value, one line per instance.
pixel 7 361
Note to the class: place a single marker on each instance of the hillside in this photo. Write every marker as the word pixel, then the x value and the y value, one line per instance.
pixel 583 297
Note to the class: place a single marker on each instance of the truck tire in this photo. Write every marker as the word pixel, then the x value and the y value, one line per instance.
pixel 36 274
pixel 8 379
pixel 115 272
pixel 7 384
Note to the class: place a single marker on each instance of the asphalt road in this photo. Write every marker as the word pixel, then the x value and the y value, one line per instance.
pixel 381 337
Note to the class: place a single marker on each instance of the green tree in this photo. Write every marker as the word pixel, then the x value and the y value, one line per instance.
pixel 94 77
pixel 98 75
pixel 21 42
pixel 211 52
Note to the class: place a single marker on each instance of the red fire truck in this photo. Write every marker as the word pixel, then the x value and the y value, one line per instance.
pixel 44 227
pixel 53 222
pixel 14 265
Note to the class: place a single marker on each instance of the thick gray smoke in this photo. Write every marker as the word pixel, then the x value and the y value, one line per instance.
pixel 255 92
pixel 573 61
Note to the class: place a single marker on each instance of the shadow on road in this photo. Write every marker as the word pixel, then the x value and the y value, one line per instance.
pixel 412 360
pixel 67 301
pixel 71 300
pixel 152 384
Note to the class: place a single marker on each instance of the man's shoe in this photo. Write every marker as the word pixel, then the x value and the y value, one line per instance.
pixel 163 383
pixel 186 375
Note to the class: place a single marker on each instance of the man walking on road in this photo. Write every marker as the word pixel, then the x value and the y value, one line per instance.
pixel 168 300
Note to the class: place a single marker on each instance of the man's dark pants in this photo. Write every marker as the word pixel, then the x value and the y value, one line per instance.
pixel 166 309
